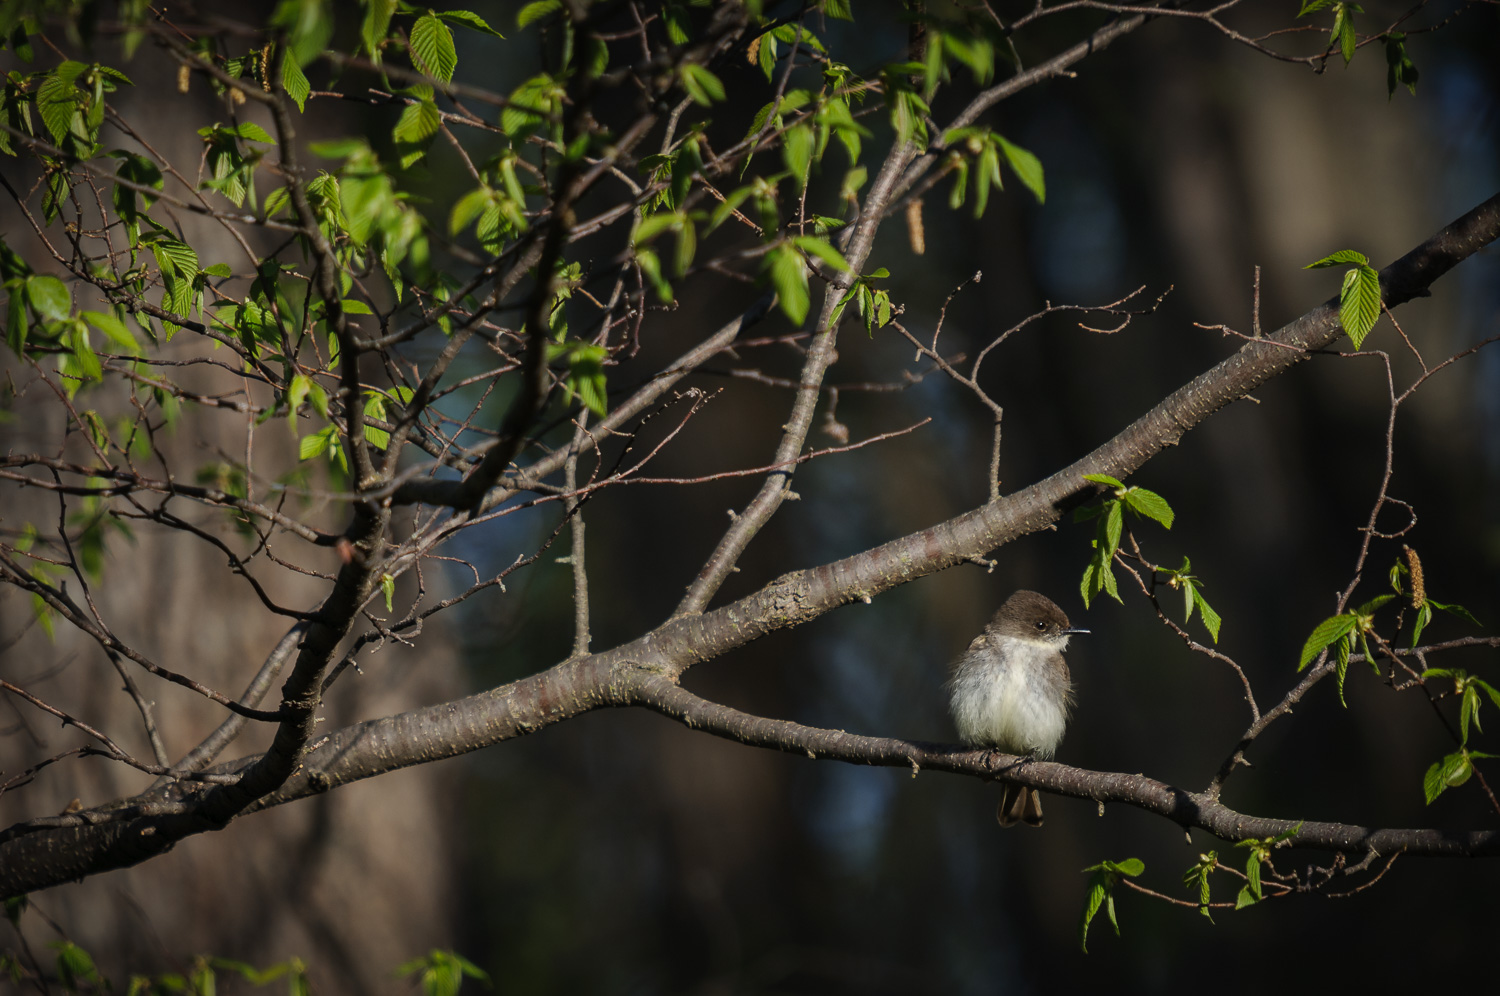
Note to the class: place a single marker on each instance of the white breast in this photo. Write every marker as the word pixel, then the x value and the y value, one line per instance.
pixel 1019 710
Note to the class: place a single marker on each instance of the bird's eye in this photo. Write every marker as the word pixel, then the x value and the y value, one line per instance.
pixel 1041 627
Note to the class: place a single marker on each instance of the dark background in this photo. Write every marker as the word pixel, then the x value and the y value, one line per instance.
pixel 622 853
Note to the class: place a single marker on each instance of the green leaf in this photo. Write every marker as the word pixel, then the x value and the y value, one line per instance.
pixel 418 123
pixel 294 82
pixel 1468 707
pixel 595 57
pixel 1114 526
pixel 1342 667
pixel 338 148
pixel 1151 505
pixel 1198 875
pixel 315 444
pixel 432 45
pixel 789 279
pixel 1343 29
pixel 296 394
pixel 529 106
pixel 376 26
pixel 388 587
pixel 375 408
pixel 49 296
pixel 1400 70
pixel 469 19
pixel 58 100
pixel 1450 772
pixel 797 151
pixel 536 10
pixel 703 86
pixel 1342 256
pixel 176 257
pixel 1373 604
pixel 1424 616
pixel 1104 479
pixel 650 265
pixel 113 328
pixel 1323 634
pixel 1455 610
pixel 1245 898
pixel 1211 620
pixel 1101 893
pixel 1091 904
pixel 468 208
pixel 308 24
pixel 585 378
pixel 1027 167
pixel 986 172
pixel 1359 303
pixel 74 965
pixel 823 250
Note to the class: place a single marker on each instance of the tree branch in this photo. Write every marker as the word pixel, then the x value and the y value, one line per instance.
pixel 644 671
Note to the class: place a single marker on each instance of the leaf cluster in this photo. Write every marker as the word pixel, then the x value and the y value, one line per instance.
pixel 1101 892
pixel 1109 516
pixel 1359 298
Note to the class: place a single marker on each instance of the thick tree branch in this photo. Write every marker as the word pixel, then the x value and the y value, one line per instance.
pixel 1187 809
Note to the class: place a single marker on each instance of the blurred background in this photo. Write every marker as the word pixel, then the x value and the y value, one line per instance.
pixel 622 853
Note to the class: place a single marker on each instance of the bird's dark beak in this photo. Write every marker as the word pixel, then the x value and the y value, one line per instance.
pixel 1072 631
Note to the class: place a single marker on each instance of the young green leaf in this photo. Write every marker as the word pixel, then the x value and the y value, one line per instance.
pixel 316 444
pixel 1343 29
pixel 469 19
pixel 1342 256
pixel 536 10
pixel 1323 634
pixel 414 130
pixel 1197 876
pixel 432 48
pixel 1150 504
pixel 1114 527
pixel 375 408
pixel 789 279
pixel 703 86
pixel 1450 772
pixel 1101 893
pixel 1095 899
pixel 1211 620
pixel 294 82
pixel 797 151
pixel 48 296
pixel 821 249
pixel 1359 303
pixel 1027 167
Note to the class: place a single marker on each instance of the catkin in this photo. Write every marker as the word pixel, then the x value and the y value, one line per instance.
pixel 1418 587
pixel 914 227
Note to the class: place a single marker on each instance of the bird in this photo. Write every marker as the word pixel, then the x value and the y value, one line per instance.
pixel 1011 691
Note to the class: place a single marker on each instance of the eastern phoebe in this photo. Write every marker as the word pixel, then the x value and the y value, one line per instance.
pixel 1011 692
